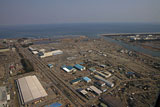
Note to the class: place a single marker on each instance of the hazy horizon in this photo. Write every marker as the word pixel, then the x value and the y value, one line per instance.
pixel 35 12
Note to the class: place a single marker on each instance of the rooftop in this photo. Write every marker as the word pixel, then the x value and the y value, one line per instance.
pixel 54 105
pixel 76 80
pixel 69 67
pixel 86 79
pixel 79 66
pixel 30 89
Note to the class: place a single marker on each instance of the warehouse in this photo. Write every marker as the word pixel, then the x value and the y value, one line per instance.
pixel 92 69
pixel 79 67
pixel 31 49
pixel 57 52
pixel 86 79
pixel 3 96
pixel 102 74
pixel 35 52
pixel 100 83
pixel 75 81
pixel 65 69
pixel 50 65
pixel 82 91
pixel 50 53
pixel 108 74
pixel 95 90
pixel 54 105
pixel 30 89
pixel 108 83
pixel 68 68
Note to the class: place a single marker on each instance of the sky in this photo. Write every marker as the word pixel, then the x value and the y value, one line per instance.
pixel 21 12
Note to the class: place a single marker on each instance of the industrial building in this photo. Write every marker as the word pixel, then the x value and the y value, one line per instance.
pixel 92 69
pixel 79 67
pixel 31 49
pixel 50 65
pixel 68 68
pixel 103 74
pixel 95 90
pixel 35 52
pixel 4 49
pixel 65 69
pixel 108 74
pixel 42 50
pixel 30 89
pixel 3 96
pixel 54 105
pixel 75 81
pixel 100 83
pixel 50 53
pixel 108 83
pixel 86 79
pixel 82 91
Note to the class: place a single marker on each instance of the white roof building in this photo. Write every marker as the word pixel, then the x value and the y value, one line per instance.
pixel 30 89
pixel 96 90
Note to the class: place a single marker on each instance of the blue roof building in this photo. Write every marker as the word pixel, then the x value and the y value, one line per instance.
pixel 70 68
pixel 54 105
pixel 130 73
pixel 86 79
pixel 75 81
pixel 50 65
pixel 79 67
pixel 67 68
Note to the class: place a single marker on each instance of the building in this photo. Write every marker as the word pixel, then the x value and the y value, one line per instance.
pixel 100 83
pixel 8 97
pixel 95 90
pixel 50 65
pixel 108 74
pixel 86 79
pixel 82 91
pixel 57 52
pixel 35 52
pixel 31 49
pixel 42 50
pixel 92 69
pixel 103 66
pixel 108 83
pixel 102 74
pixel 102 105
pixel 54 105
pixel 65 69
pixel 30 89
pixel 50 53
pixel 75 81
pixel 68 68
pixel 3 96
pixel 79 67
pixel 4 49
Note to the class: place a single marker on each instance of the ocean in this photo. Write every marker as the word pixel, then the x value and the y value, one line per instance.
pixel 87 29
